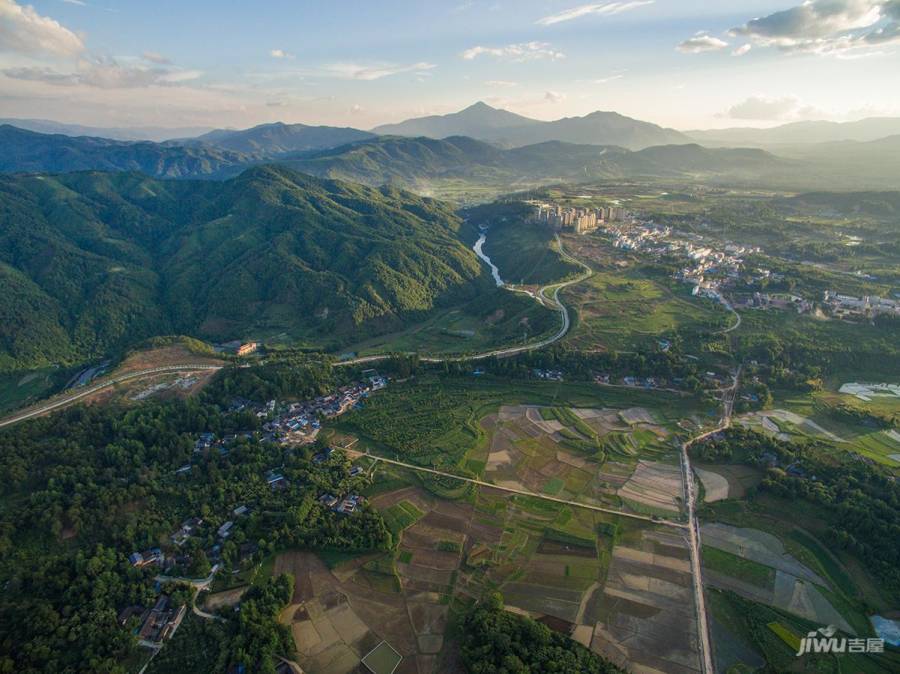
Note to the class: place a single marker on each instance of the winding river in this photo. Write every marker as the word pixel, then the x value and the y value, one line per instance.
pixel 494 271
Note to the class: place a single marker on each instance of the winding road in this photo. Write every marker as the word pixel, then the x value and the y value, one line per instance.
pixel 556 303
pixel 547 294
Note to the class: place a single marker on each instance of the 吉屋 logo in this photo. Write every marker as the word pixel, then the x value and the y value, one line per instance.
pixel 824 641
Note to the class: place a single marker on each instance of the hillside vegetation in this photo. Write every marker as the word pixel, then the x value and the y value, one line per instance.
pixel 31 152
pixel 91 262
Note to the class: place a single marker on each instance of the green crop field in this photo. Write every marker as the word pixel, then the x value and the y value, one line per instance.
pixel 737 567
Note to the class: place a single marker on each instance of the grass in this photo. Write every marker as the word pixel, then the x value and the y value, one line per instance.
pixel 737 567
pixel 526 253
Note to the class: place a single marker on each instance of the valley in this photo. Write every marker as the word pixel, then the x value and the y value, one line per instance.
pixel 471 392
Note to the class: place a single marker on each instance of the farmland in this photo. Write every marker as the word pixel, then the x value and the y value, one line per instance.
pixel 629 306
pixel 610 583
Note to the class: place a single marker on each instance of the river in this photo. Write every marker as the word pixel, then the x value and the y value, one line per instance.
pixel 494 271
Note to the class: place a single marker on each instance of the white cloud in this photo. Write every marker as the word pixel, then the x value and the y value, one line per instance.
pixel 355 71
pixel 280 54
pixel 743 49
pixel 598 9
pixel 501 84
pixel 700 43
pixel 523 51
pixel 769 109
pixel 826 26
pixel 80 3
pixel 607 79
pixel 105 74
pixel 24 31
pixel 156 57
pixel 554 97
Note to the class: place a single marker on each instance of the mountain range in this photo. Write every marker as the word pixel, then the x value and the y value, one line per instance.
pixel 156 134
pixel 797 133
pixel 91 262
pixel 271 140
pixel 30 152
pixel 417 162
pixel 483 122
pixel 502 162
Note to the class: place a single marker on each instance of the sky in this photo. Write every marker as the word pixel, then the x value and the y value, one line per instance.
pixel 685 64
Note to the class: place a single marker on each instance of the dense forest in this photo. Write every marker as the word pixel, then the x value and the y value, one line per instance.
pixel 83 489
pixel 495 641
pixel 92 262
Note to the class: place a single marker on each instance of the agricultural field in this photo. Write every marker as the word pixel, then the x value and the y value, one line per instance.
pixel 770 579
pixel 755 565
pixel 584 454
pixel 840 420
pixel 613 584
pixel 435 420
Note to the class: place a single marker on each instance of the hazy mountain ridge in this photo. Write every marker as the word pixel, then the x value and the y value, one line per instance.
pixel 484 122
pixel 271 140
pixel 156 134
pixel 91 262
pixel 411 160
pixel 811 132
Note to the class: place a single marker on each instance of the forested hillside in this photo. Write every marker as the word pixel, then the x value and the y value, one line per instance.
pixel 91 262
pixel 27 152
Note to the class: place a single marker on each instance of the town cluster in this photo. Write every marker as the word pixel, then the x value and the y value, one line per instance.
pixel 860 307
pixel 581 219
pixel 299 423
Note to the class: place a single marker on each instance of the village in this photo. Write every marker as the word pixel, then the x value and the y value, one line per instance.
pixel 290 424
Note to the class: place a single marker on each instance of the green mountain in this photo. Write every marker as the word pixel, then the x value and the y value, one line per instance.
pixel 505 128
pixel 418 162
pixel 30 152
pixel 91 262
pixel 270 140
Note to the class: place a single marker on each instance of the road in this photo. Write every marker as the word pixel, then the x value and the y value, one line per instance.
pixel 737 322
pixel 541 296
pixel 555 288
pixel 199 584
pixel 69 398
pixel 512 490
pixel 690 499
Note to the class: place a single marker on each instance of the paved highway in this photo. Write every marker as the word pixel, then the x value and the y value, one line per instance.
pixel 690 498
pixel 69 398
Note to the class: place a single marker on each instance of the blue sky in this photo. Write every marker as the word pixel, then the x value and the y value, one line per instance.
pixel 679 63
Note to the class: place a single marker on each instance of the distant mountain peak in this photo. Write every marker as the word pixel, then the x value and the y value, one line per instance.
pixel 509 129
